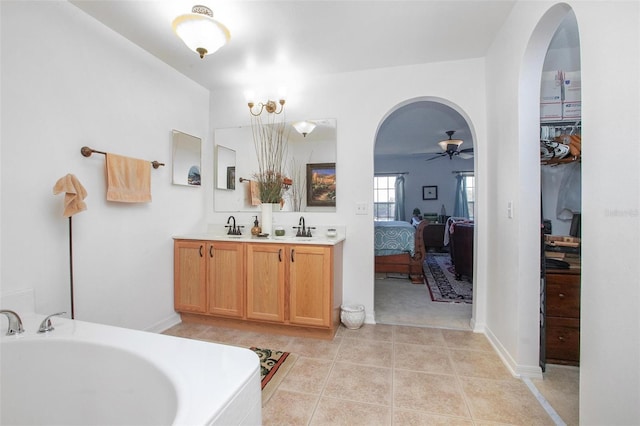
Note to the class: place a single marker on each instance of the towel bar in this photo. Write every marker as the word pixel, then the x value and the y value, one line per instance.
pixel 86 151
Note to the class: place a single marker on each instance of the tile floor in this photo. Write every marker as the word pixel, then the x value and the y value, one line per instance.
pixel 388 375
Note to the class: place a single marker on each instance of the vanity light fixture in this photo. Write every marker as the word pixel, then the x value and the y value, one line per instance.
pixel 304 127
pixel 270 106
pixel 200 32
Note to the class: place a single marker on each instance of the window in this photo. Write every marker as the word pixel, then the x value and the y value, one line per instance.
pixel 470 183
pixel 384 197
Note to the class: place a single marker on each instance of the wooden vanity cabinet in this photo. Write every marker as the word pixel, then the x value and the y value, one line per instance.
pixel 209 277
pixel 265 282
pixel 289 284
pixel 289 288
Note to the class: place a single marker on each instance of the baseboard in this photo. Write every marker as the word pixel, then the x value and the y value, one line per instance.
pixel 165 324
pixel 530 371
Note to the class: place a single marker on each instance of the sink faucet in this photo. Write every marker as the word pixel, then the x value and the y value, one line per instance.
pixel 45 325
pixel 232 229
pixel 15 323
pixel 301 231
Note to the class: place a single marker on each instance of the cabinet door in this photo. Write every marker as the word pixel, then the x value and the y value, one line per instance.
pixel 189 275
pixel 225 279
pixel 310 284
pixel 265 282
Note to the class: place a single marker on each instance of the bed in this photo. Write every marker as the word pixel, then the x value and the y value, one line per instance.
pixel 399 248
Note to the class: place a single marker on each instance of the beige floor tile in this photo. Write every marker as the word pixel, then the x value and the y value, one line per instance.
pixel 413 418
pixel 220 335
pixel 429 393
pixel 479 364
pixel 418 335
pixel 369 332
pixel 504 401
pixel 430 359
pixel 289 408
pixel 308 375
pixel 314 348
pixel 359 383
pixel 467 340
pixel 190 331
pixel 366 352
pixel 560 386
pixel 333 411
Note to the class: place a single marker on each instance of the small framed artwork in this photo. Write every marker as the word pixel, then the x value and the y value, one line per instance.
pixel 321 184
pixel 430 192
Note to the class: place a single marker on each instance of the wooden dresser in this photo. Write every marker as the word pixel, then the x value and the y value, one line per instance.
pixel 562 331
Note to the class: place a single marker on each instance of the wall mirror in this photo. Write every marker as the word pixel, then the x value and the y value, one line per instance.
pixel 186 159
pixel 318 146
pixel 225 168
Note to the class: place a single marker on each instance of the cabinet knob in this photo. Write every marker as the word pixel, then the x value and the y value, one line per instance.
pixel 561 338
pixel 201 247
pixel 561 295
pixel 292 257
pixel 279 255
pixel 210 251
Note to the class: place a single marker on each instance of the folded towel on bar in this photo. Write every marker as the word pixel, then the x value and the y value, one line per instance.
pixel 74 193
pixel 128 179
pixel 254 193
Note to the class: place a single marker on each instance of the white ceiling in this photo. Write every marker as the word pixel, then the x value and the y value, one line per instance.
pixel 275 43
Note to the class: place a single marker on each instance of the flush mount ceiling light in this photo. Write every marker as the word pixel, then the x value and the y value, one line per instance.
pixel 304 127
pixel 200 32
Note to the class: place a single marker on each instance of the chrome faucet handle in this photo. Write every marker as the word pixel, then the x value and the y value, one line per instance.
pixel 46 325
pixel 15 323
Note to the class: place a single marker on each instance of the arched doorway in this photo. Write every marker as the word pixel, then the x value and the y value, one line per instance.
pixel 407 146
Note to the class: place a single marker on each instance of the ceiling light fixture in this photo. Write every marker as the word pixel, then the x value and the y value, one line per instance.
pixel 450 146
pixel 200 32
pixel 304 127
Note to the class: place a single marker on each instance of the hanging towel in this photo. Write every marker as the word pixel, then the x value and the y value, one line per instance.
pixel 254 194
pixel 128 179
pixel 74 193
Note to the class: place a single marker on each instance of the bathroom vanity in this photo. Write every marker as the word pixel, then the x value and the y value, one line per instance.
pixel 288 285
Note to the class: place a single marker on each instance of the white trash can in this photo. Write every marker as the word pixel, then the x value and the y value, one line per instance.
pixel 352 316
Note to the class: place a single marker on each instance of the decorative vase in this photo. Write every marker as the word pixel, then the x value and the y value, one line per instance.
pixel 266 210
pixel 352 316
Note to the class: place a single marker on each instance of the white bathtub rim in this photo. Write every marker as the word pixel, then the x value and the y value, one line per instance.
pixel 201 396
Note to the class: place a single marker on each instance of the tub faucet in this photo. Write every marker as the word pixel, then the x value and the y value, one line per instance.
pixel 15 323
pixel 46 325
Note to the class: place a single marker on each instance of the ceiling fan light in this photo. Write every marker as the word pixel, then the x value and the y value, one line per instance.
pixel 304 127
pixel 450 145
pixel 200 32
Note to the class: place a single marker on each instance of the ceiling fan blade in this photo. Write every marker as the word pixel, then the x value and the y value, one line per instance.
pixel 466 150
pixel 437 156
pixel 465 155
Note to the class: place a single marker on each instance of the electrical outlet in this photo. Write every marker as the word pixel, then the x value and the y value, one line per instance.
pixel 361 208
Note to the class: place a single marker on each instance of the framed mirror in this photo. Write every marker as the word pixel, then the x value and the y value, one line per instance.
pixel 225 168
pixel 187 153
pixel 315 146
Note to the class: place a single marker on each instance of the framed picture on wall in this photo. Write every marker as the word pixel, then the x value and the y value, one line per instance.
pixel 430 192
pixel 321 184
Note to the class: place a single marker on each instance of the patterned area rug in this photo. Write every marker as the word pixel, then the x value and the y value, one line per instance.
pixel 274 366
pixel 441 280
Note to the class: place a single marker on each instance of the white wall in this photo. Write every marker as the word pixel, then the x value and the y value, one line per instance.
pixel 340 96
pixel 68 81
pixel 610 326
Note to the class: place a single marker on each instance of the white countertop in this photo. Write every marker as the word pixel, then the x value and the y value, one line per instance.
pixel 287 239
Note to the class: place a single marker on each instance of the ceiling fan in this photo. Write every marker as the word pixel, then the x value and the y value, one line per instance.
pixel 451 147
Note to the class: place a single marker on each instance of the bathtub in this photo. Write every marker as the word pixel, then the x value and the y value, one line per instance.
pixel 90 374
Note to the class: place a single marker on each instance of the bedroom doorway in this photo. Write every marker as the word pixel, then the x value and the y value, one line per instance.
pixel 425 179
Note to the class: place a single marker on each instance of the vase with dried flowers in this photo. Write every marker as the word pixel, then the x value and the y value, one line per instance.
pixel 270 139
